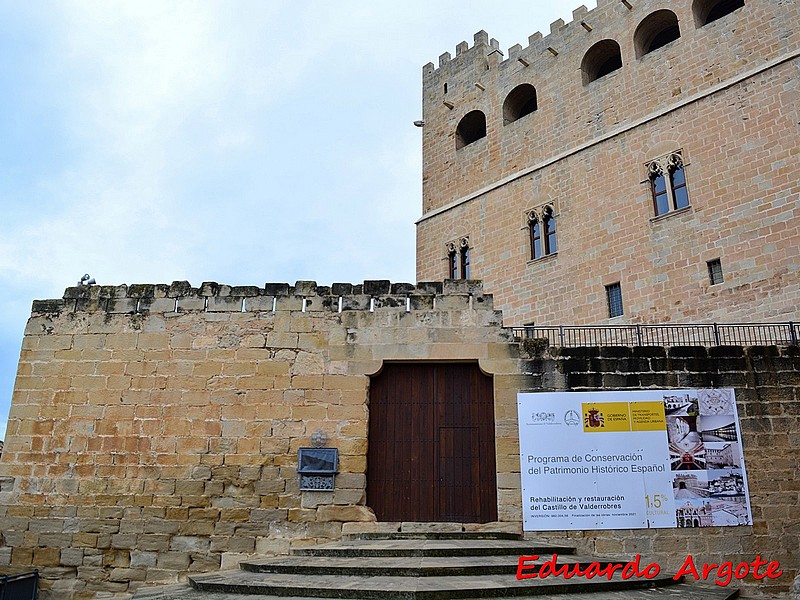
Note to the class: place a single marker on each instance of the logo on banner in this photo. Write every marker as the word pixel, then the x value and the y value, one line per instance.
pixel 614 417
pixel 594 418
pixel 572 418
pixel 543 417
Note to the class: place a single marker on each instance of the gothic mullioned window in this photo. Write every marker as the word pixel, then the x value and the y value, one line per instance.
pixel 668 183
pixel 458 259
pixel 542 232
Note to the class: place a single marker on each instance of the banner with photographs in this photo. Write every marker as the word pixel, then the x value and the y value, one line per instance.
pixel 631 459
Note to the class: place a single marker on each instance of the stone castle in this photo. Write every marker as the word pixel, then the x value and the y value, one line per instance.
pixel 155 429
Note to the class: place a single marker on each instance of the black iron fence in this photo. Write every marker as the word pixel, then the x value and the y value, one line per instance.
pixel 22 586
pixel 711 334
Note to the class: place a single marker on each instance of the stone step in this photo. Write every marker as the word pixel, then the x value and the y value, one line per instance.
pixel 675 592
pixel 428 547
pixel 425 566
pixel 410 588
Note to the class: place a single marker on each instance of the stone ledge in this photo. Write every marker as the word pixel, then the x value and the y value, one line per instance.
pixel 303 296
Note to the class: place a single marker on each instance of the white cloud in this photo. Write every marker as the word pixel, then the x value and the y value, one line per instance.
pixel 239 141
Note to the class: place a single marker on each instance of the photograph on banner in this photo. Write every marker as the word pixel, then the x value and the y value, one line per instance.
pixel 631 460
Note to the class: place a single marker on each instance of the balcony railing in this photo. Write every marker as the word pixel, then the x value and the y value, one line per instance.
pixel 22 586
pixel 711 334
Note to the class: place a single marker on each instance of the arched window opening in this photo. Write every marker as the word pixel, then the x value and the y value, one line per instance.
pixel 536 239
pixel 521 101
pixel 550 244
pixel 659 188
pixel 452 261
pixel 464 262
pixel 677 178
pixel 603 58
pixel 471 128
pixel 707 11
pixel 656 30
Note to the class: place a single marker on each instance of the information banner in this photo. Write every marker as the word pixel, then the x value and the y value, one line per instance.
pixel 631 459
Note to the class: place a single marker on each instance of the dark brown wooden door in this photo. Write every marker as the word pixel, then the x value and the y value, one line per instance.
pixel 431 453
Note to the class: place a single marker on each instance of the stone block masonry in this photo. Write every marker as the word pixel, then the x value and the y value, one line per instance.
pixel 766 380
pixel 154 428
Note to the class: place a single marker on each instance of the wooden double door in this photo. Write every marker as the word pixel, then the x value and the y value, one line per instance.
pixel 431 454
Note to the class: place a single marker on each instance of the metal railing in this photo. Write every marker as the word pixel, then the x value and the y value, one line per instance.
pixel 22 586
pixel 710 334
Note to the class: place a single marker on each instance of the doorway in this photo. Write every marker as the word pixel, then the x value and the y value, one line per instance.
pixel 431 454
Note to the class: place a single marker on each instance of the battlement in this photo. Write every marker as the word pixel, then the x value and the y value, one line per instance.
pixel 540 47
pixel 305 296
pixel 567 42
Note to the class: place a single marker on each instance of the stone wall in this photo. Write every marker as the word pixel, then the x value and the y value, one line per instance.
pixel 766 381
pixel 725 95
pixel 154 429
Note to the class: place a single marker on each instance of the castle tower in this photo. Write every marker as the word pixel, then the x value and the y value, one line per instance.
pixel 638 164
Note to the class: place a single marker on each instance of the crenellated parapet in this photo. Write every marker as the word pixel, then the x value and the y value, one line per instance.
pixel 560 37
pixel 305 296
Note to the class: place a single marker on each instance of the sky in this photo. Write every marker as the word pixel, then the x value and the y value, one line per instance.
pixel 241 141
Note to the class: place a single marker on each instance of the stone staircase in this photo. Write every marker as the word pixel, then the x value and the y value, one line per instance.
pixel 421 566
